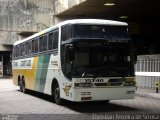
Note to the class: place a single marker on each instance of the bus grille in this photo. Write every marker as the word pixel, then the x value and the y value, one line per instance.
pixel 115 82
pixel 100 84
pixel 111 82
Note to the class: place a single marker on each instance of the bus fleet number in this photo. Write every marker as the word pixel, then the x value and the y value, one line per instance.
pixel 93 80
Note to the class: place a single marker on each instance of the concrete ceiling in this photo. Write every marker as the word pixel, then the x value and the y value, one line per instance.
pixel 134 9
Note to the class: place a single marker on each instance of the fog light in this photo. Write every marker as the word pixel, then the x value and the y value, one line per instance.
pixel 130 92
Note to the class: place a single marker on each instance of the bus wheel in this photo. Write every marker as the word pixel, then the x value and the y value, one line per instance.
pixel 57 98
pixel 22 86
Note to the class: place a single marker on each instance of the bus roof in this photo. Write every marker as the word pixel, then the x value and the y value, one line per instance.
pixel 74 21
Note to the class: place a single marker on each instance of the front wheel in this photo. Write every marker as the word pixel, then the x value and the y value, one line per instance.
pixel 57 97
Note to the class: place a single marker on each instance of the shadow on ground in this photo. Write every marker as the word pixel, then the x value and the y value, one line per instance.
pixel 86 107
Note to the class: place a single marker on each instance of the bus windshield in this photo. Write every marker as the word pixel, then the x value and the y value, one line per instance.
pixel 111 60
pixel 99 31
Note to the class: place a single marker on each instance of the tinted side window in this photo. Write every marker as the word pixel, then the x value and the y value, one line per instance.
pixel 66 32
pixel 23 50
pixel 27 50
pixel 41 44
pixel 55 42
pixel 45 43
pixel 33 46
pixel 30 47
pixel 14 52
pixel 20 50
pixel 50 41
pixel 36 45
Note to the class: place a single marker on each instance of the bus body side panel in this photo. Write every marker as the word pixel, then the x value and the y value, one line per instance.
pixel 39 75
pixel 17 71
pixel 42 71
pixel 31 74
pixel 54 72
pixel 28 71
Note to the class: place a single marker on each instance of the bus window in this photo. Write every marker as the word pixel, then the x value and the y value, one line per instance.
pixel 29 48
pixel 50 41
pixel 36 46
pixel 41 44
pixel 55 42
pixel 33 46
pixel 16 51
pixel 45 43
pixel 66 32
pixel 23 50
pixel 19 50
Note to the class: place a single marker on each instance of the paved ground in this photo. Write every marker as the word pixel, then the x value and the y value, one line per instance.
pixel 7 85
pixel 15 105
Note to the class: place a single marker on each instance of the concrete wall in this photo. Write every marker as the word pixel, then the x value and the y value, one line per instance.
pixel 62 5
pixel 5 48
pixel 23 16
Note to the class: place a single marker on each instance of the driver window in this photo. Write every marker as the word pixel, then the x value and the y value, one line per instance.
pixel 82 59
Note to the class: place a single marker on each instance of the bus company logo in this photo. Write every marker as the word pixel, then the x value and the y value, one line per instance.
pixel 54 63
pixel 25 63
pixel 66 89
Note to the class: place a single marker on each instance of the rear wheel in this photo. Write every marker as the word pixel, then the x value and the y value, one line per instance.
pixel 22 86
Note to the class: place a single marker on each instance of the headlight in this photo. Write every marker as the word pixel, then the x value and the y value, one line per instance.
pixel 130 82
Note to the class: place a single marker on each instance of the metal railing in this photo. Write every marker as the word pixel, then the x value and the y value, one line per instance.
pixel 147 70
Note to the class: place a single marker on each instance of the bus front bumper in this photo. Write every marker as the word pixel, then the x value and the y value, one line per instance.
pixel 101 94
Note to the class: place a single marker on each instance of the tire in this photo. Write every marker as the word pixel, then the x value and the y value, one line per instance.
pixel 56 94
pixel 22 86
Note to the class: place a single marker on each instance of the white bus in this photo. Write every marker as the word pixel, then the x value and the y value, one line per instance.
pixel 77 60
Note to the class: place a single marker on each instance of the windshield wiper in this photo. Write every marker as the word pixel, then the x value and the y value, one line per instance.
pixel 95 72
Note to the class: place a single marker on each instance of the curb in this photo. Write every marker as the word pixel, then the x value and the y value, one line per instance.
pixel 148 95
